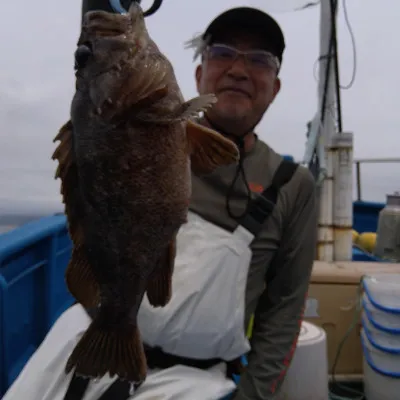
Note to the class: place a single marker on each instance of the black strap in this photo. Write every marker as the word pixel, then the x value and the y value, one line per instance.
pixel 261 207
pixel 157 358
pixel 119 390
pixel 77 388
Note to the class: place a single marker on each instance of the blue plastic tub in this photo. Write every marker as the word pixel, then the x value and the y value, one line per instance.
pixel 380 336
pixel 381 369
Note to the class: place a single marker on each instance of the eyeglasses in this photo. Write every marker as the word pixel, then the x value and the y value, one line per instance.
pixel 258 59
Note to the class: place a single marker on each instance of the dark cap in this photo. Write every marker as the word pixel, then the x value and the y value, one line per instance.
pixel 251 20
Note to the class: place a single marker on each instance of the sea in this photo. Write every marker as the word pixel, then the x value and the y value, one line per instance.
pixel 10 222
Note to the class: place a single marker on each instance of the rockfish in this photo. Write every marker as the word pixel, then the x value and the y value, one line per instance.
pixel 124 160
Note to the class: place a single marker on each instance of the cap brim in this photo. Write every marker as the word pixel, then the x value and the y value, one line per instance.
pixel 251 20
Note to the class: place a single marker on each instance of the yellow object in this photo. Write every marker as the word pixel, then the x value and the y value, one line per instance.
pixel 367 241
pixel 355 236
pixel 250 327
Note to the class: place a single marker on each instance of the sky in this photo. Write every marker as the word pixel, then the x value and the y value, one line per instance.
pixel 37 84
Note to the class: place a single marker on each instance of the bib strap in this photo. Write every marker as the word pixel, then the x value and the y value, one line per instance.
pixel 262 206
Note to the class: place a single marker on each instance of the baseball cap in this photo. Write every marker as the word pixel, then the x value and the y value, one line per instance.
pixel 252 20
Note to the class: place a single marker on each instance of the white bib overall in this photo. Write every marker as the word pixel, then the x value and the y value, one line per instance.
pixel 204 319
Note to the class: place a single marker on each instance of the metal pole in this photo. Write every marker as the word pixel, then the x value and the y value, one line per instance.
pixel 358 176
pixel 334 7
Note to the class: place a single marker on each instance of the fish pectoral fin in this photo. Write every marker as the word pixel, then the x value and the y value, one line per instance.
pixel 159 287
pixel 80 279
pixel 183 112
pixel 209 149
pixel 107 348
pixel 192 107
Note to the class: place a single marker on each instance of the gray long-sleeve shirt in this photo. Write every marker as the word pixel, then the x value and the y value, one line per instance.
pixel 285 246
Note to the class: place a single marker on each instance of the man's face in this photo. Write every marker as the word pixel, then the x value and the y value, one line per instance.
pixel 244 86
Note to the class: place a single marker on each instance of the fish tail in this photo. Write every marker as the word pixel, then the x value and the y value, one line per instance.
pixel 113 349
pixel 81 281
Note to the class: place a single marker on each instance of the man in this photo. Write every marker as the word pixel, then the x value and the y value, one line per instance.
pixel 223 274
pixel 245 88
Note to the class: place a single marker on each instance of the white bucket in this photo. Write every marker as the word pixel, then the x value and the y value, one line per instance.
pixel 381 370
pixel 307 377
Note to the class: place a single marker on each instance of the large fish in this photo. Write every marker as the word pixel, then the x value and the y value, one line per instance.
pixel 124 160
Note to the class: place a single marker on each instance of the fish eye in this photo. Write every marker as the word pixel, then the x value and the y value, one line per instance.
pixel 82 55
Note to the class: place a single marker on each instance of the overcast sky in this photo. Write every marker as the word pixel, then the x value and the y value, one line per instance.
pixel 37 82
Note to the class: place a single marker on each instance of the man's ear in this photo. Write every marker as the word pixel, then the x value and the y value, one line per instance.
pixel 277 87
pixel 198 75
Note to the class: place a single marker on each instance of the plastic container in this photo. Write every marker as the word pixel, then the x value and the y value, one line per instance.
pixel 386 338
pixel 381 369
pixel 382 320
pixel 383 292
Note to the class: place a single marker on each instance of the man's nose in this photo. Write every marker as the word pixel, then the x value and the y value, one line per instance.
pixel 238 69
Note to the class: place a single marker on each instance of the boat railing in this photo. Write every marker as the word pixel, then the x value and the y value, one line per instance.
pixel 359 161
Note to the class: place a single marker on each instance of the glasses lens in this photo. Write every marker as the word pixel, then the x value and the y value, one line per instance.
pixel 222 53
pixel 262 59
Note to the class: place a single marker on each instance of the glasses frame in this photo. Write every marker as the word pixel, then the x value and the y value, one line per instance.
pixel 274 61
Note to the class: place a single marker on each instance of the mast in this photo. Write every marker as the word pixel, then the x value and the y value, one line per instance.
pixel 329 150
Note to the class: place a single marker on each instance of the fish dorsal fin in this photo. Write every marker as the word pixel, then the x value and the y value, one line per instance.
pixel 79 277
pixel 208 149
pixel 67 171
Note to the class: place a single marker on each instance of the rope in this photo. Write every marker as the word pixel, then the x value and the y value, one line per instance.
pixel 355 394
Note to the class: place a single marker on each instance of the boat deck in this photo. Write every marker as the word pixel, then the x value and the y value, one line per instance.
pixel 33 293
